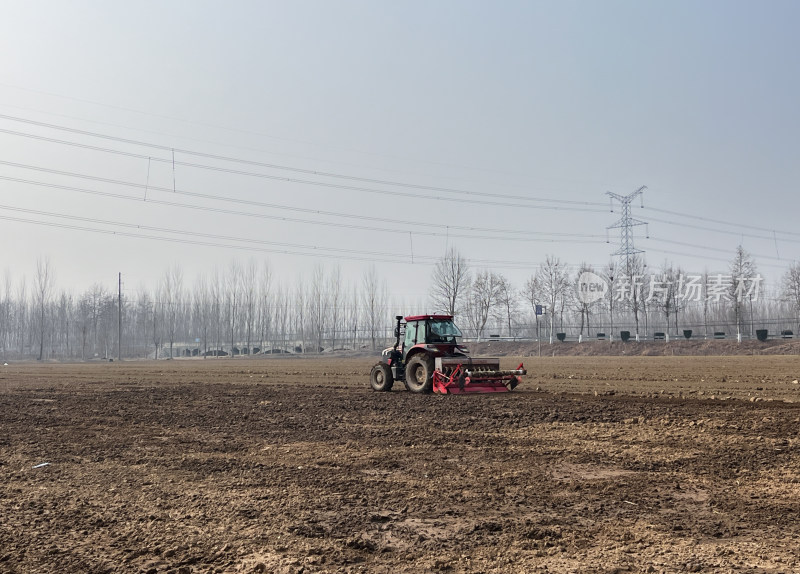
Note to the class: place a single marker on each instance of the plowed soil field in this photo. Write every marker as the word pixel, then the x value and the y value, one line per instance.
pixel 594 464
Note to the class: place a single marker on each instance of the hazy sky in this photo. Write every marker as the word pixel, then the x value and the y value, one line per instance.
pixel 354 133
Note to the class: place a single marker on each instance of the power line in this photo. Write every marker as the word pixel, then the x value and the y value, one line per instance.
pixel 231 159
pixel 195 234
pixel 722 231
pixel 228 199
pixel 506 264
pixel 215 126
pixel 239 147
pixel 361 189
pixel 699 256
pixel 552 203
pixel 302 181
pixel 316 250
pixel 327 174
pixel 189 233
pixel 707 248
pixel 721 222
pixel 560 237
pixel 188 241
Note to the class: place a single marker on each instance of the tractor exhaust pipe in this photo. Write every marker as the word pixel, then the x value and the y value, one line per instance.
pixel 397 332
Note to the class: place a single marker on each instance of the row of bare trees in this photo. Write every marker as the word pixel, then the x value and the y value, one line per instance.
pixel 245 309
pixel 637 299
pixel 35 321
pixel 240 309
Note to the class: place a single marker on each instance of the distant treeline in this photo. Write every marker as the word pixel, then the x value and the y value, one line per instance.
pixel 242 309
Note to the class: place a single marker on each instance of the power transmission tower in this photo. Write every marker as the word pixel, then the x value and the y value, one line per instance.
pixel 626 224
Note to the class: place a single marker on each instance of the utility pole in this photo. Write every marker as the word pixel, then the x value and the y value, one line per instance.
pixel 626 224
pixel 119 319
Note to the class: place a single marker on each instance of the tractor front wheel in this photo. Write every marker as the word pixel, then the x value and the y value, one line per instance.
pixel 381 378
pixel 419 374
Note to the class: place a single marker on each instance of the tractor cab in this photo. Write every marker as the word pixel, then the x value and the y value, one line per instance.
pixel 435 333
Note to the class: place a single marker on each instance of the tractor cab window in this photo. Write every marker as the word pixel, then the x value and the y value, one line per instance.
pixel 442 332
pixel 411 334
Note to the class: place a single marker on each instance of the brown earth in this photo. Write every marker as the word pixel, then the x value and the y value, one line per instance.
pixel 594 464
pixel 632 348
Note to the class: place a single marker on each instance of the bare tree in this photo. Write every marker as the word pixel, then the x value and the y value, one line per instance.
pixel 97 294
pixel 300 312
pixel 43 284
pixel 144 313
pixel 282 315
pixel 250 293
pixel 450 281
pixel 790 288
pixel 507 300
pixel 5 314
pixel 22 314
pixel 265 295
pixel 373 303
pixel 662 293
pixel 158 322
pixel 669 298
pixel 705 303
pixel 743 270
pixel 108 324
pixel 584 307
pixel 566 298
pixel 84 322
pixel 678 302
pixel 553 281
pixel 335 294
pixel 635 275
pixel 318 305
pixel 532 292
pixel 63 320
pixel 611 275
pixel 355 315
pixel 201 311
pixel 172 295
pixel 481 298
pixel 217 308
pixel 233 285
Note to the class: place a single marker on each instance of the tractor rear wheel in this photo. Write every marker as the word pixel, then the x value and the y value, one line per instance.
pixel 419 374
pixel 380 379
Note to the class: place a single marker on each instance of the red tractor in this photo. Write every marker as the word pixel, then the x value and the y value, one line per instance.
pixel 427 356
